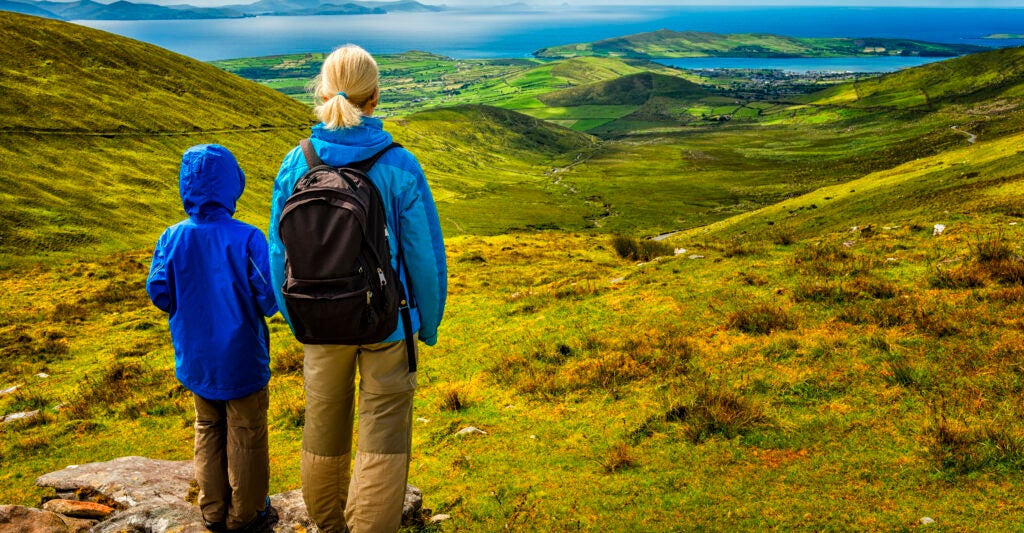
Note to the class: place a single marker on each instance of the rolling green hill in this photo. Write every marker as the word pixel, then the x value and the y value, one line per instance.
pixel 668 44
pixel 483 160
pixel 413 81
pixel 654 100
pixel 956 186
pixel 95 167
pixel 65 77
pixel 634 89
pixel 697 173
pixel 982 77
pixel 93 127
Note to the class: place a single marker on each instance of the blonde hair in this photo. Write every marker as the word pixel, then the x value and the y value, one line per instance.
pixel 346 84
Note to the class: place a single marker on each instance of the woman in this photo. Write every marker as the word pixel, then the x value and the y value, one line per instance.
pixel 347 93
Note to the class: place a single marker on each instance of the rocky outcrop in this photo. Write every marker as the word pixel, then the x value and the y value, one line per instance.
pixel 18 519
pixel 78 509
pixel 147 495
pixel 127 481
pixel 27 415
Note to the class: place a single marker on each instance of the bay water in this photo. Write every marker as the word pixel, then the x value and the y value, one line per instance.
pixel 516 33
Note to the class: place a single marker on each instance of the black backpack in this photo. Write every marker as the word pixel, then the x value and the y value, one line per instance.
pixel 339 285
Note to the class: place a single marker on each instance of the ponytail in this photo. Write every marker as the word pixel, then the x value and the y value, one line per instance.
pixel 347 83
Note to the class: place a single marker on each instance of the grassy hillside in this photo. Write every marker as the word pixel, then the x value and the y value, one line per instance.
pixel 977 180
pixel 93 127
pixel 806 355
pixel 590 107
pixel 414 81
pixel 64 77
pixel 97 169
pixel 984 77
pixel 410 81
pixel 788 384
pixel 484 161
pixel 668 43
pixel 695 173
pixel 635 89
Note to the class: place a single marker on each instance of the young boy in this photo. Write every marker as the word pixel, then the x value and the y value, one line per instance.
pixel 210 273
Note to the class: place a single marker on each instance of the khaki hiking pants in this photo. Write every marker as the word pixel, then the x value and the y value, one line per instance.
pixel 371 500
pixel 232 458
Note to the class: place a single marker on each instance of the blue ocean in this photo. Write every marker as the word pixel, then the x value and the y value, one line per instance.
pixel 518 33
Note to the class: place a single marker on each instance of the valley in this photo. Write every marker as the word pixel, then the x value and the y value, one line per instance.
pixel 806 350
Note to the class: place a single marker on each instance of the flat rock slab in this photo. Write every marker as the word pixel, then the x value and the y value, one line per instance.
pixel 18 519
pixel 155 518
pixel 27 415
pixel 152 497
pixel 129 481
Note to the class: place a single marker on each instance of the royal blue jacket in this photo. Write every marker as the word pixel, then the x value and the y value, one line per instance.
pixel 210 273
pixel 413 224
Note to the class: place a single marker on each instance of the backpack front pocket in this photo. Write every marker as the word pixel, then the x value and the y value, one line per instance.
pixel 334 311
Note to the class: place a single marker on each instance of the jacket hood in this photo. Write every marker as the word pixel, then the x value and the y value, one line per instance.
pixel 348 145
pixel 210 181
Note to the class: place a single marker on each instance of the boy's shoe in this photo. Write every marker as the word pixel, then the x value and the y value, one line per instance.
pixel 264 521
pixel 216 527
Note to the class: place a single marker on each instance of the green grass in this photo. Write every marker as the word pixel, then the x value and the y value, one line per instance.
pixel 91 182
pixel 482 159
pixel 955 186
pixel 804 355
pixel 874 418
pixel 635 89
pixel 73 81
pixel 94 165
pixel 988 77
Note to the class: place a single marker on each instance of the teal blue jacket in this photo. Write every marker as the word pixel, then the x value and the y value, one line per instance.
pixel 413 224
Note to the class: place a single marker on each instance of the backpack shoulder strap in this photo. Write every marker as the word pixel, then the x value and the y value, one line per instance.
pixel 312 160
pixel 368 163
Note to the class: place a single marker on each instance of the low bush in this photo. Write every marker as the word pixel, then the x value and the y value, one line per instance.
pixel 620 457
pixel 959 447
pixel 717 412
pixel 637 250
pixel 992 250
pixel 761 319
pixel 957 278
pixel 288 360
pixel 453 399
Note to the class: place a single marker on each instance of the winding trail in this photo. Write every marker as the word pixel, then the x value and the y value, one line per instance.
pixel 583 157
pixel 971 137
pixel 664 236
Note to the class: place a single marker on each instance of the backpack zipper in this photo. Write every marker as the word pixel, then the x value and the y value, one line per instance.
pixel 380 274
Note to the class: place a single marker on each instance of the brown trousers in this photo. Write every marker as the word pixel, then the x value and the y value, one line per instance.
pixel 232 458
pixel 371 499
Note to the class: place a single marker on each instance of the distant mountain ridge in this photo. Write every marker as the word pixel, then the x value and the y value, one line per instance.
pixel 676 44
pixel 124 10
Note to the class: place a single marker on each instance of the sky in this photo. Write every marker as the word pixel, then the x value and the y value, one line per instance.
pixel 556 3
pixel 876 3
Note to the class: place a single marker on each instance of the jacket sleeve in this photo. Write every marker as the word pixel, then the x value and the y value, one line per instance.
pixel 259 274
pixel 156 284
pixel 292 168
pixel 422 248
